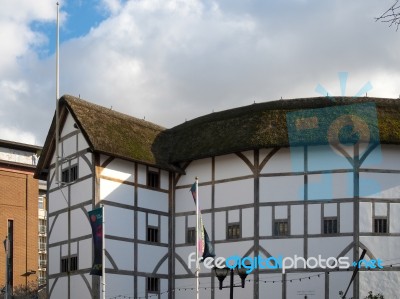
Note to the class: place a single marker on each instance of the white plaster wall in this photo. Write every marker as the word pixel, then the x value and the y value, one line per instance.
pixel 329 186
pixel 380 185
pixel 386 253
pixel 285 160
pixel 142 174
pixel 117 192
pixel 265 221
pixel 327 247
pixel 124 227
pixel 283 247
pixel 164 180
pixel 297 220
pixel 141 225
pixel 270 289
pixel 84 167
pixel 57 201
pixel 383 157
pixel 81 192
pixel 184 200
pixel 314 218
pixel 180 232
pixel 78 286
pixel 183 253
pixel 61 288
pixel 53 266
pixel 149 256
pixel 82 143
pixel 68 125
pixel 69 146
pixel 220 225
pixel 230 166
pixel 80 225
pixel 394 218
pixel 186 288
pixel 234 193
pixel 248 223
pixel 164 229
pixel 122 253
pixel 233 216
pixel 325 158
pixel 274 189
pixel 346 217
pixel 85 254
pixel 239 248
pixel 338 281
pixel 330 210
pixel 120 169
pixel 297 289
pixel 60 229
pixel 381 209
pixel 281 212
pixel 384 282
pixel 153 200
pixel 141 286
pixel 366 217
pixel 198 168
pixel 119 285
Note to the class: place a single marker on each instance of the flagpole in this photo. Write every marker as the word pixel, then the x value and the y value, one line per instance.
pixel 103 267
pixel 197 239
pixel 57 95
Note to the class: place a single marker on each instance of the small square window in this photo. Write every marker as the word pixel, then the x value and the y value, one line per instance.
pixel 69 174
pixel 191 236
pixel 281 228
pixel 233 231
pixel 153 284
pixel 153 179
pixel 64 265
pixel 73 263
pixel 380 225
pixel 330 226
pixel 152 234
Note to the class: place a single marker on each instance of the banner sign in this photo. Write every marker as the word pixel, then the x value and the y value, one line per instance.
pixel 96 221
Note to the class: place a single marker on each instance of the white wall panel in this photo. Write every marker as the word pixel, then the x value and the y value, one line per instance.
pixel 329 186
pixel 54 260
pixel 325 158
pixel 314 287
pixel 120 169
pixel 327 247
pixel 152 219
pixel 82 191
pixel 338 281
pixel 233 216
pixel 68 126
pixel 285 160
pixel 283 247
pixel 234 193
pixel 383 157
pixel 394 218
pixel 142 229
pixel 122 253
pixel 314 218
pixel 330 210
pixel 383 282
pixel 230 166
pixel 57 201
pixel 85 253
pixel 265 221
pixel 84 167
pixel 381 209
pixel 248 223
pixel 281 212
pixel 164 180
pixel 79 288
pixel 142 174
pixel 117 192
pixel 153 200
pixel 297 220
pixel 180 232
pixel 82 143
pixel 69 146
pixel 240 248
pixel 388 252
pixel 119 286
pixel 80 225
pixel 220 226
pixel 149 256
pixel 346 217
pixel 60 229
pixel 272 290
pixel 164 229
pixel 380 185
pixel 198 168
pixel 184 253
pixel 124 227
pixel 366 217
pixel 61 288
pixel 282 188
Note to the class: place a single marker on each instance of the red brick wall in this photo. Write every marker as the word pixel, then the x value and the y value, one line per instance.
pixel 19 202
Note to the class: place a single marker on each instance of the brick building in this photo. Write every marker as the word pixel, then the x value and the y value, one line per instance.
pixel 19 212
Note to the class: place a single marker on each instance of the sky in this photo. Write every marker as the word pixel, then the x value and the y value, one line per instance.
pixel 169 61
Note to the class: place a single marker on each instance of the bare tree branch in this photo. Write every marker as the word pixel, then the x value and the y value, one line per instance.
pixel 391 16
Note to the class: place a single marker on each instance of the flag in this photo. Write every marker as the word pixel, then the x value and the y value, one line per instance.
pixel 96 221
pixel 204 243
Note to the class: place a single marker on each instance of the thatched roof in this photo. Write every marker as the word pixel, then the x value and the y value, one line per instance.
pixel 256 126
pixel 264 125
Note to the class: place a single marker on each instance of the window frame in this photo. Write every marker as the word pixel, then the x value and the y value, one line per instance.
pixel 386 226
pixel 191 235
pixel 233 231
pixel 153 179
pixel 150 235
pixel 334 228
pixel 153 285
pixel 277 232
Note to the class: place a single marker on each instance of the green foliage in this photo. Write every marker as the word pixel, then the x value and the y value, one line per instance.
pixel 374 296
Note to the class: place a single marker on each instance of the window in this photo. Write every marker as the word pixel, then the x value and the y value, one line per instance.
pixel 153 179
pixel 191 236
pixel 42 243
pixel 152 284
pixel 152 234
pixel 41 203
pixel 69 174
pixel 281 228
pixel 330 226
pixel 64 264
pixel 42 226
pixel 233 231
pixel 73 263
pixel 380 225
